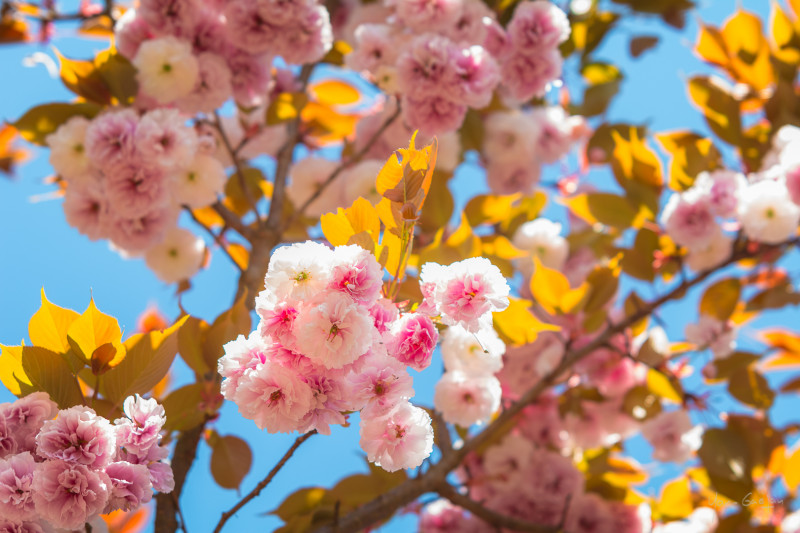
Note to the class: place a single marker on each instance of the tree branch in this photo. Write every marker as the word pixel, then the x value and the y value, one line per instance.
pixel 232 220
pixel 382 507
pixel 237 164
pixel 491 517
pixel 185 452
pixel 217 237
pixel 264 482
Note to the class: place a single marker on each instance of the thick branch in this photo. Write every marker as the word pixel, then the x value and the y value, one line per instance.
pixel 264 482
pixel 185 452
pixel 491 517
pixel 382 507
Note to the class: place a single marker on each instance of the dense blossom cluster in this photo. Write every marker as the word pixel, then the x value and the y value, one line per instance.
pixel 446 56
pixel 765 205
pixel 328 343
pixel 127 176
pixel 64 468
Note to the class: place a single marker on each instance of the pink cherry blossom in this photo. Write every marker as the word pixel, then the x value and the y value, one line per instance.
pixel 130 486
pixel 135 234
pixel 538 26
pixel 401 439
pixel 330 399
pixel 135 189
pixel 472 24
pixel 309 39
pixel 277 318
pixel 442 516
pixel 163 138
pixel 68 494
pixel 688 219
pixel 86 208
pixel 213 86
pixel 506 176
pixel 709 332
pixel 467 292
pixel 374 48
pixel 130 31
pixel 383 312
pixel 250 77
pixel 299 271
pixel 524 77
pixel 10 526
pixel 478 75
pixel 275 397
pixel 169 16
pixel 672 436
pixel 589 513
pixel 141 430
pixel 380 385
pixel 428 15
pixel 251 26
pixel 356 273
pixel 434 114
pixel 475 354
pixel 333 330
pixel 427 69
pixel 78 436
pixel 412 340
pixel 722 188
pixel 24 418
pixel 110 138
pixel 16 481
pixel 466 400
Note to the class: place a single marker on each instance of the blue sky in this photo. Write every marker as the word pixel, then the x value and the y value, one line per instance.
pixel 41 250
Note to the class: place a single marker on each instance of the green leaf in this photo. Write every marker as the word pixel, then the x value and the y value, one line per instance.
pixel 49 372
pixel 230 460
pixel 149 357
pixel 48 327
pixel 40 121
pixel 300 502
pixel 190 345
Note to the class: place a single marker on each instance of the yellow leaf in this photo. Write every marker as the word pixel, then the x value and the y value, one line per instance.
pixel 286 107
pixel 334 92
pixel 711 46
pixel 325 125
pixel 784 36
pixel 623 472
pixel 748 50
pixel 391 245
pixel 662 386
pixel 720 299
pixel 93 329
pixel 363 217
pixel 239 254
pixel 490 208
pixel 336 227
pixel 83 78
pixel 48 327
pixel 550 289
pixel 676 499
pixel 791 470
pixel 390 175
pixel 11 368
pixel 518 325
pixel 634 160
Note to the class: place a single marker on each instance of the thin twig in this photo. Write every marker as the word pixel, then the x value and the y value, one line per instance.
pixel 284 161
pixel 217 237
pixel 237 164
pixel 264 482
pixel 358 156
pixel 232 220
pixel 489 516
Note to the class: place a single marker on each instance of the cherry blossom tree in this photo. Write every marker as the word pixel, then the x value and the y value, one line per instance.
pixel 318 148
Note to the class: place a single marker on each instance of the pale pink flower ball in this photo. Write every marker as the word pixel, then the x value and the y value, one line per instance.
pixel 299 271
pixel 134 235
pixel 130 486
pixel 130 31
pixel 373 48
pixel 509 136
pixel 334 331
pixel 442 516
pixel 67 494
pixel 555 132
pixel 767 213
pixel 589 513
pixel 78 436
pixel 472 24
pixel 507 462
pixel 251 26
pixel 309 39
pixel 86 208
pixel 10 526
pixel 23 419
pixel 412 340
pixel 68 153
pixel 512 176
pixel 474 354
pixel 199 183
pixel 672 436
pixel 428 15
pixel 110 138
pixel 170 16
pixel 134 189
pixel 16 482
pixel 306 177
pixel 331 397
pixel 356 273
pixel 688 219
pixel 162 137
pixel 167 69
pixel 467 400
pixel 141 430
pixel 383 312
pixel 718 336
pixel 478 74
pixel 525 77
pixel 213 86
pixel 177 257
pixel 276 398
pixel 241 354
pixel 467 292
pixel 722 188
pixel 401 439
pixel 427 69
pixel 433 115
pixel 250 77
pixel 714 253
pixel 542 239
pixel 277 318
pixel 538 27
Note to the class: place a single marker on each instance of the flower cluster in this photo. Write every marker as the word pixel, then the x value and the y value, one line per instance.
pixel 63 468
pixel 127 176
pixel 446 56
pixel 517 142
pixel 197 55
pixel 329 343
pixel 765 205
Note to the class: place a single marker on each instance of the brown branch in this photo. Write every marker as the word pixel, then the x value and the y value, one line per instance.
pixel 185 452
pixel 237 164
pixel 232 220
pixel 358 156
pixel 489 516
pixel 382 507
pixel 217 237
pixel 284 161
pixel 264 482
